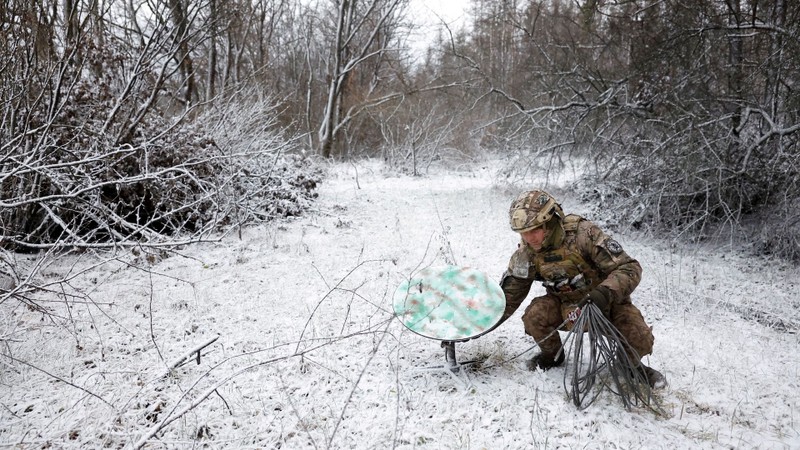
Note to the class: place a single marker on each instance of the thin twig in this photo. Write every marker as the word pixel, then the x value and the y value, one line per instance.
pixel 56 377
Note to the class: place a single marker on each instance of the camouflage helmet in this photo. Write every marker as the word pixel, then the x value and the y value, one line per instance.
pixel 532 209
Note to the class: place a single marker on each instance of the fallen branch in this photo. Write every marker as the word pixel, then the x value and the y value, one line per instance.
pixel 57 378
pixel 178 362
pixel 176 413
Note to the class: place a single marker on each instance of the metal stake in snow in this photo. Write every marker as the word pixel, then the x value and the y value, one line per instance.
pixel 187 355
pixel 450 304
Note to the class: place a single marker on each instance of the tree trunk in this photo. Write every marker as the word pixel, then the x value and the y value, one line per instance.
pixel 735 60
pixel 772 98
pixel 71 22
pixel 328 126
pixel 184 58
pixel 212 50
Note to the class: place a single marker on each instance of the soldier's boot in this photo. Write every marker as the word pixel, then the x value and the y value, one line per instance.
pixel 546 361
pixel 654 378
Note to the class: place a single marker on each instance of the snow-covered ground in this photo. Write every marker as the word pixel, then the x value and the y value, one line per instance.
pixel 309 355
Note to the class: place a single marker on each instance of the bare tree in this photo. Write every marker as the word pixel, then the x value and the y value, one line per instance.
pixel 363 33
pixel 687 110
pixel 95 155
pixel 180 20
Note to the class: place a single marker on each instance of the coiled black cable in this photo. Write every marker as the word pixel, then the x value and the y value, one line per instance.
pixel 603 359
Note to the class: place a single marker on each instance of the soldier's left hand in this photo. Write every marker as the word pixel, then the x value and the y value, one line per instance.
pixel 600 296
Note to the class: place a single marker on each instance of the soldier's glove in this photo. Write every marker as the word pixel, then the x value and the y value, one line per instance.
pixel 600 297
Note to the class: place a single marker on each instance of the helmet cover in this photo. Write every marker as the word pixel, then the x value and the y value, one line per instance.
pixel 532 209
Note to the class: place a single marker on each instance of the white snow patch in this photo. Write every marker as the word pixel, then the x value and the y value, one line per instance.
pixel 309 354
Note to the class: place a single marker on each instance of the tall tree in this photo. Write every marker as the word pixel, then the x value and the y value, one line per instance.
pixel 362 33
pixel 179 13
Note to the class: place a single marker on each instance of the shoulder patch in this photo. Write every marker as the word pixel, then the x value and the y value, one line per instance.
pixel 520 268
pixel 519 265
pixel 613 246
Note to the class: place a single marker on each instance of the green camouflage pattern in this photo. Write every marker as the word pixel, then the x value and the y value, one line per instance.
pixel 581 247
pixel 531 210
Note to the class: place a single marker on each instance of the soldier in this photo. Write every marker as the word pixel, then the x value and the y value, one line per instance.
pixel 576 262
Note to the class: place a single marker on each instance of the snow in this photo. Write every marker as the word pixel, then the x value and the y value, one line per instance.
pixel 309 355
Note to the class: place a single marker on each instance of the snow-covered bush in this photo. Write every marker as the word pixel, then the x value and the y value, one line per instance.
pixel 702 183
pixel 106 161
pixel 179 183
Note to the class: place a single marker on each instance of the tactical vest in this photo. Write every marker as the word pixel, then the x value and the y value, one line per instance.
pixel 567 275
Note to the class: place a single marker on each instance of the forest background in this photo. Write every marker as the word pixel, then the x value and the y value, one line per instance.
pixel 125 122
pixel 137 128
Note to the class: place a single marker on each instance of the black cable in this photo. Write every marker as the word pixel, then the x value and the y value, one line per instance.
pixel 604 360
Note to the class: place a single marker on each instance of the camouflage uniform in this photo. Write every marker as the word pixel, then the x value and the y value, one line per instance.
pixel 575 259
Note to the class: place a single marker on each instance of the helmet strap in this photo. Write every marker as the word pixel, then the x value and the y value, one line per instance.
pixel 555 233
